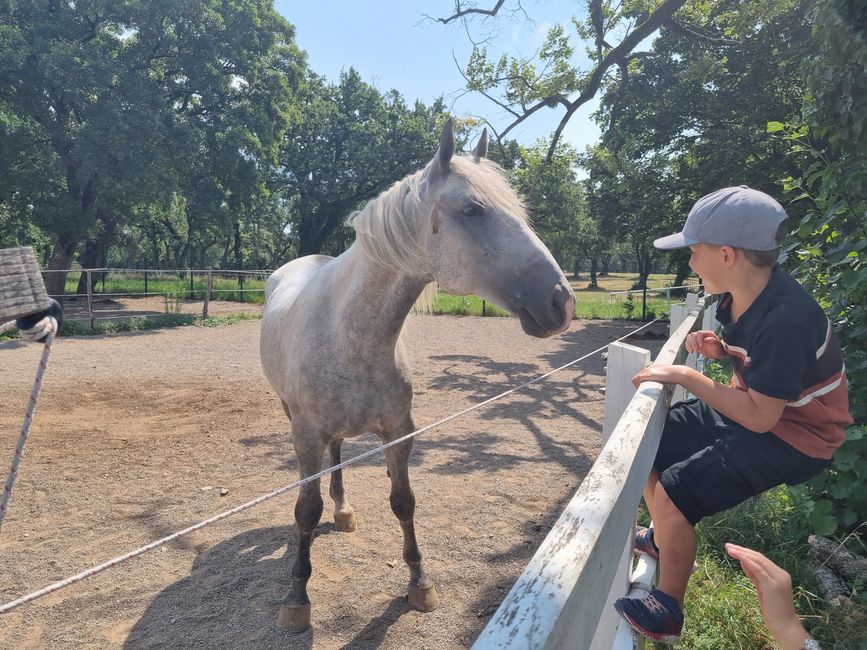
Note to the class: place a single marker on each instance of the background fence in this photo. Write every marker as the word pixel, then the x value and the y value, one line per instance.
pixel 94 295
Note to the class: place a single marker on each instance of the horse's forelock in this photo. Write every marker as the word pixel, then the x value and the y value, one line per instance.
pixel 487 183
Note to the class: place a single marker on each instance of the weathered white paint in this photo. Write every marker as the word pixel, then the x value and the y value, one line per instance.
pixel 557 602
pixel 624 361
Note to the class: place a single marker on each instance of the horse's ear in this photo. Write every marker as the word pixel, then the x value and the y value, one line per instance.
pixel 440 164
pixel 481 150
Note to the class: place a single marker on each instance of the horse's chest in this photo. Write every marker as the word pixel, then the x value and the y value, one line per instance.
pixel 350 396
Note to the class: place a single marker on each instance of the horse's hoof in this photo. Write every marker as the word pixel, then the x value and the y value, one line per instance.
pixel 345 522
pixel 424 599
pixel 294 619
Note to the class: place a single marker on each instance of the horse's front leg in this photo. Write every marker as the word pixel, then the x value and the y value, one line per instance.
pixel 421 593
pixel 295 611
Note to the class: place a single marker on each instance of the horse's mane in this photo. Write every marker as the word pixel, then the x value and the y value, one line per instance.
pixel 387 228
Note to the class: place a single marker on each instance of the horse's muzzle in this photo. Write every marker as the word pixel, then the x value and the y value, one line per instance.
pixel 545 318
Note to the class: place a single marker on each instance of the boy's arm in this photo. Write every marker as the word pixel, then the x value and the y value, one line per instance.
pixel 750 409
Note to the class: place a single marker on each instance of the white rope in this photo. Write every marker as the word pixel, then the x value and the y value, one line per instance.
pixel 245 506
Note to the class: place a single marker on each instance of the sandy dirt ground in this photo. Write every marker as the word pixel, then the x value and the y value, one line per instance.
pixel 138 435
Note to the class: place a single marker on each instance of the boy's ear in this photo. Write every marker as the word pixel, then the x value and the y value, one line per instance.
pixel 729 254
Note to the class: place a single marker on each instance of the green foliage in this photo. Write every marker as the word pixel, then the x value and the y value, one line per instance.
pixel 350 143
pixel 555 200
pixel 628 306
pixel 111 111
pixel 829 145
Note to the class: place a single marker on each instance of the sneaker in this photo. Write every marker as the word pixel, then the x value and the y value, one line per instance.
pixel 657 616
pixel 644 542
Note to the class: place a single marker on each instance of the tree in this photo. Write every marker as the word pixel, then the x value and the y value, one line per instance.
pixel 691 118
pixel 350 144
pixel 522 87
pixel 123 105
pixel 554 198
pixel 829 143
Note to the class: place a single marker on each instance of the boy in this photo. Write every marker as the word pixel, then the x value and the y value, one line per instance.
pixel 779 422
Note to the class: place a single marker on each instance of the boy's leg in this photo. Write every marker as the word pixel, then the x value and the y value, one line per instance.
pixel 675 537
pixel 650 492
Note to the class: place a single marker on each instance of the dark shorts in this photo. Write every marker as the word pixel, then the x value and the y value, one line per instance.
pixel 708 463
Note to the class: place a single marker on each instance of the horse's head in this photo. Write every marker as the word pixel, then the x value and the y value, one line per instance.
pixel 478 241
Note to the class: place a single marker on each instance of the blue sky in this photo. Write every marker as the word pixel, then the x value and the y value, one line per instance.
pixel 392 45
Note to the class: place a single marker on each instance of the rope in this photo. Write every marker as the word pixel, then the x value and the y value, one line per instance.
pixel 6 607
pixel 28 416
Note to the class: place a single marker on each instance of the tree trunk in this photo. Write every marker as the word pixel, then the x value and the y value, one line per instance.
pixel 96 252
pixel 606 260
pixel 593 268
pixel 61 259
pixel 831 586
pixel 682 273
pixel 846 565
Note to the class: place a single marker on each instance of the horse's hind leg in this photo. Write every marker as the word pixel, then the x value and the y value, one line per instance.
pixel 421 593
pixel 344 515
pixel 295 610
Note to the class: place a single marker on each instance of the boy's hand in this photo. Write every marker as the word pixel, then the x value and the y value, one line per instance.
pixel 707 344
pixel 663 374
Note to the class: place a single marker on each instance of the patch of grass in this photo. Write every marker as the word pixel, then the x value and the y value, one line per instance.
pixel 144 323
pixel 446 303
pixel 228 319
pixel 592 309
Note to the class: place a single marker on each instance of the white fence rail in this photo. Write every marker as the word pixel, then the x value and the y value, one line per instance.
pixel 564 597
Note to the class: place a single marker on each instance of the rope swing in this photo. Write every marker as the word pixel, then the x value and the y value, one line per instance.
pixel 37 318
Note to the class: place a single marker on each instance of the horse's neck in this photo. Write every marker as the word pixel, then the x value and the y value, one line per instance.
pixel 376 300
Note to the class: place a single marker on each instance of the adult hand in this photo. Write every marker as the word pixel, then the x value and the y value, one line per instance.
pixel 774 587
pixel 707 344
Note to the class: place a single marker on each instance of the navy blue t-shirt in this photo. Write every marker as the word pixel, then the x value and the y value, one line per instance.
pixel 783 346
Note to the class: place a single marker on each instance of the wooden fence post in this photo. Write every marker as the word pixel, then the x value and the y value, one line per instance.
pixel 624 361
pixel 89 299
pixel 208 293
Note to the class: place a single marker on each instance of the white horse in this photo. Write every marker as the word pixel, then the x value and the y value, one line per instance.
pixel 331 344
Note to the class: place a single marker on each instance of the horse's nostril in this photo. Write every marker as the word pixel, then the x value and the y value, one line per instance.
pixel 561 297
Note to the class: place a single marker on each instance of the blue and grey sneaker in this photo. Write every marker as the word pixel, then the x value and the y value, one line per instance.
pixel 644 542
pixel 657 616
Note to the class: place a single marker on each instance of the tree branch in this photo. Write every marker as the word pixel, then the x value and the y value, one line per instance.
pixel 683 30
pixel 460 13
pixel 659 17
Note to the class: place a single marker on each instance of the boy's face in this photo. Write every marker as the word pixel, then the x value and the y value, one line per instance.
pixel 711 263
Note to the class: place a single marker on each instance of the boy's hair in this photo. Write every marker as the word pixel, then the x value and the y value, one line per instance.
pixel 766 259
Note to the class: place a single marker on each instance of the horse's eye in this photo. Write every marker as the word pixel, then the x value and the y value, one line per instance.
pixel 473 210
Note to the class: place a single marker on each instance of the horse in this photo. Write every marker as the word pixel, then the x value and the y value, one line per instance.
pixel 330 339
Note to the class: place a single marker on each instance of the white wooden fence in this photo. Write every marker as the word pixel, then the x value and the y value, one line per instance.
pixel 564 597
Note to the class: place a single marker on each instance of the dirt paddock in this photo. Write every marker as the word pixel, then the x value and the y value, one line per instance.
pixel 138 435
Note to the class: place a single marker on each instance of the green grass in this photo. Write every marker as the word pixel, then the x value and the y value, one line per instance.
pixel 144 323
pixel 587 308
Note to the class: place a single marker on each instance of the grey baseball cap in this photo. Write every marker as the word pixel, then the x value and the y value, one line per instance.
pixel 733 216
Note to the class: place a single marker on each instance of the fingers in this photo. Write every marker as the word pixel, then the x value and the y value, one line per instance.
pixel 757 566
pixel 696 341
pixel 750 563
